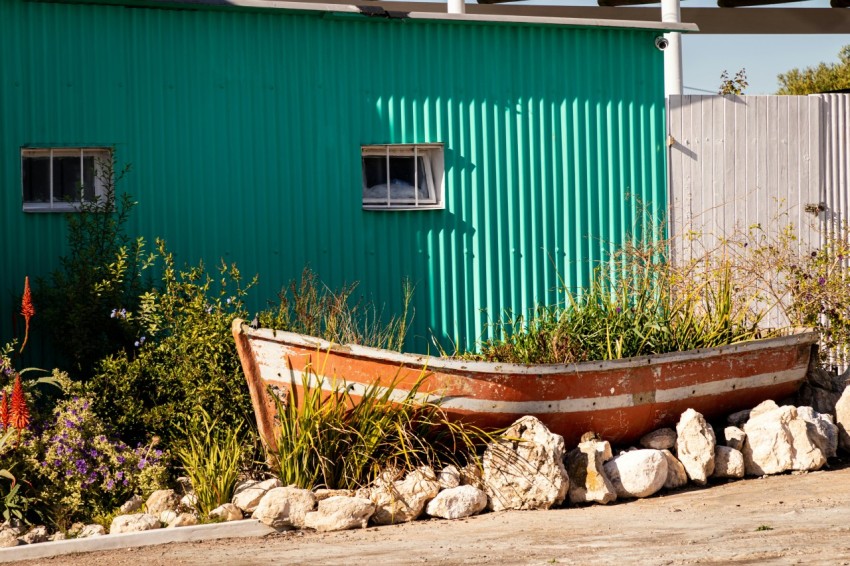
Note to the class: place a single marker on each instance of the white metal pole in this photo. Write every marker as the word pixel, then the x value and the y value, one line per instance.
pixel 673 53
pixel 457 7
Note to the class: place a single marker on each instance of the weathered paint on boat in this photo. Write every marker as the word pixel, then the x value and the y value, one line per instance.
pixel 620 399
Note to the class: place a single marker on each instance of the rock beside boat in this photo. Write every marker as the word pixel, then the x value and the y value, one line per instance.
pixel 457 502
pixel 338 513
pixel 842 419
pixel 525 469
pixel 661 439
pixel 734 437
pixel 728 463
pixel 404 500
pixel 676 475
pixel 695 444
pixel 285 507
pixel 639 473
pixel 779 440
pixel 825 433
pixel 585 466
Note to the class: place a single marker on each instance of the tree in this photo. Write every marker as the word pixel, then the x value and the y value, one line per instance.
pixel 735 85
pixel 825 77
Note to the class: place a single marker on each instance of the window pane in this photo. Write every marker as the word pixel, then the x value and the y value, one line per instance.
pixel 88 177
pixel 36 174
pixel 66 178
pixel 375 178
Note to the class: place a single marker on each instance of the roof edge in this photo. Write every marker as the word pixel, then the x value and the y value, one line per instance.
pixel 428 14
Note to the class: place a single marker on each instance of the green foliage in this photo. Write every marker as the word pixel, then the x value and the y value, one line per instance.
pixel 735 85
pixel 310 307
pixel 211 457
pixel 81 472
pixel 638 304
pixel 184 361
pixel 100 272
pixel 326 439
pixel 825 77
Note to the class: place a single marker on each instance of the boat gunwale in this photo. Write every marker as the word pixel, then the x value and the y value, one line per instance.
pixel 797 336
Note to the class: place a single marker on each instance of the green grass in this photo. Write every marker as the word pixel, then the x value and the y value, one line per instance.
pixel 326 439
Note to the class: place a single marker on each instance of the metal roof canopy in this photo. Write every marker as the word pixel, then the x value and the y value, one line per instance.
pixel 408 10
pixel 786 21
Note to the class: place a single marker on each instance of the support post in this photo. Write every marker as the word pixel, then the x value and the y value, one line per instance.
pixel 670 12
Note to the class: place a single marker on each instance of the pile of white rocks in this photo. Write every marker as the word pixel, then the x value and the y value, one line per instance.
pixel 527 468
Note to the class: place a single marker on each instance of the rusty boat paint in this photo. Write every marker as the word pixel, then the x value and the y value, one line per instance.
pixel 620 399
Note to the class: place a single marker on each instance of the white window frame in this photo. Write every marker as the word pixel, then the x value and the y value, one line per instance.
pixel 432 158
pixel 53 205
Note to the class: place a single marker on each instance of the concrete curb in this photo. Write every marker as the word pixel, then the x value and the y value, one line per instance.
pixel 232 529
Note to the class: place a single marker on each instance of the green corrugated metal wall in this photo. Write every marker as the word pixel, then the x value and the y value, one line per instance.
pixel 244 128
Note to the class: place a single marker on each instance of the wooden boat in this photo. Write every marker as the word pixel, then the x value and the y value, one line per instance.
pixel 620 400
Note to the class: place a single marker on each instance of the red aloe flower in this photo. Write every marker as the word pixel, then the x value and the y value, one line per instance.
pixel 27 310
pixel 20 413
pixel 4 411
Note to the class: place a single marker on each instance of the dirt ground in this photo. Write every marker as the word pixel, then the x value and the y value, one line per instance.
pixel 788 519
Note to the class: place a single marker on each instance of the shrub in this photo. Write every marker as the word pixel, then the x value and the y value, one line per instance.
pixel 102 270
pixel 211 456
pixel 83 472
pixel 184 361
pixel 326 439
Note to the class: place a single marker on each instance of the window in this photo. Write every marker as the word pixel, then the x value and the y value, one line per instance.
pixel 54 179
pixel 402 176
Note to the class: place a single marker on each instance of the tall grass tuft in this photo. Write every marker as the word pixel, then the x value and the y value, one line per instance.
pixel 211 457
pixel 327 439
pixel 637 304
pixel 310 307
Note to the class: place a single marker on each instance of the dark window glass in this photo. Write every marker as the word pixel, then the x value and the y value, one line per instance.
pixel 88 177
pixel 66 178
pixel 36 174
pixel 403 178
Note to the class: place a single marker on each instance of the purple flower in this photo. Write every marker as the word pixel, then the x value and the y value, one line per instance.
pixel 142 464
pixel 619 310
pixel 119 475
pixel 81 466
pixel 821 280
pixel 120 460
pixel 109 485
pixel 125 482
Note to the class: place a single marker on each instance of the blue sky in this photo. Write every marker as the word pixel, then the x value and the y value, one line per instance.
pixel 764 56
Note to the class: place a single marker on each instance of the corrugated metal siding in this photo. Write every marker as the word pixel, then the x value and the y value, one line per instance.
pixel 244 127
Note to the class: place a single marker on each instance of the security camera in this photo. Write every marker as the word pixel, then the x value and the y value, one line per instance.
pixel 661 42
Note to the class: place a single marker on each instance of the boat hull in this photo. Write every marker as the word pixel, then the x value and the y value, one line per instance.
pixel 620 400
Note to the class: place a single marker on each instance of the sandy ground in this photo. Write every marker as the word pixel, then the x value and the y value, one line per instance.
pixel 788 519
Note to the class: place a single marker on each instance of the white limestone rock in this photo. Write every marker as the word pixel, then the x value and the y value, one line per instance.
pixel 639 473
pixel 842 420
pixel 8 539
pixel 695 446
pixel 404 500
pixel 661 439
pixel 92 530
pixel 806 455
pixel 734 437
pixel 762 408
pixel 457 502
pixel 340 513
pixel 36 535
pixel 285 507
pixel 588 482
pixel 322 493
pixel 728 463
pixel 134 523
pixel 449 477
pixel 676 474
pixel 226 512
pixel 247 495
pixel 525 469
pixel 162 500
pixel 188 502
pixel 167 516
pixel 780 440
pixel 131 505
pixel 823 431
pixel 183 520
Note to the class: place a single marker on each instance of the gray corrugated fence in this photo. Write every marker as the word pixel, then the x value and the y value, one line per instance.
pixel 744 163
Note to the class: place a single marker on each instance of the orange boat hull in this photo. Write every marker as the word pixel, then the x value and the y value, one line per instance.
pixel 619 400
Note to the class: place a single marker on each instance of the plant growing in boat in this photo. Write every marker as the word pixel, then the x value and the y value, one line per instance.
pixel 327 439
